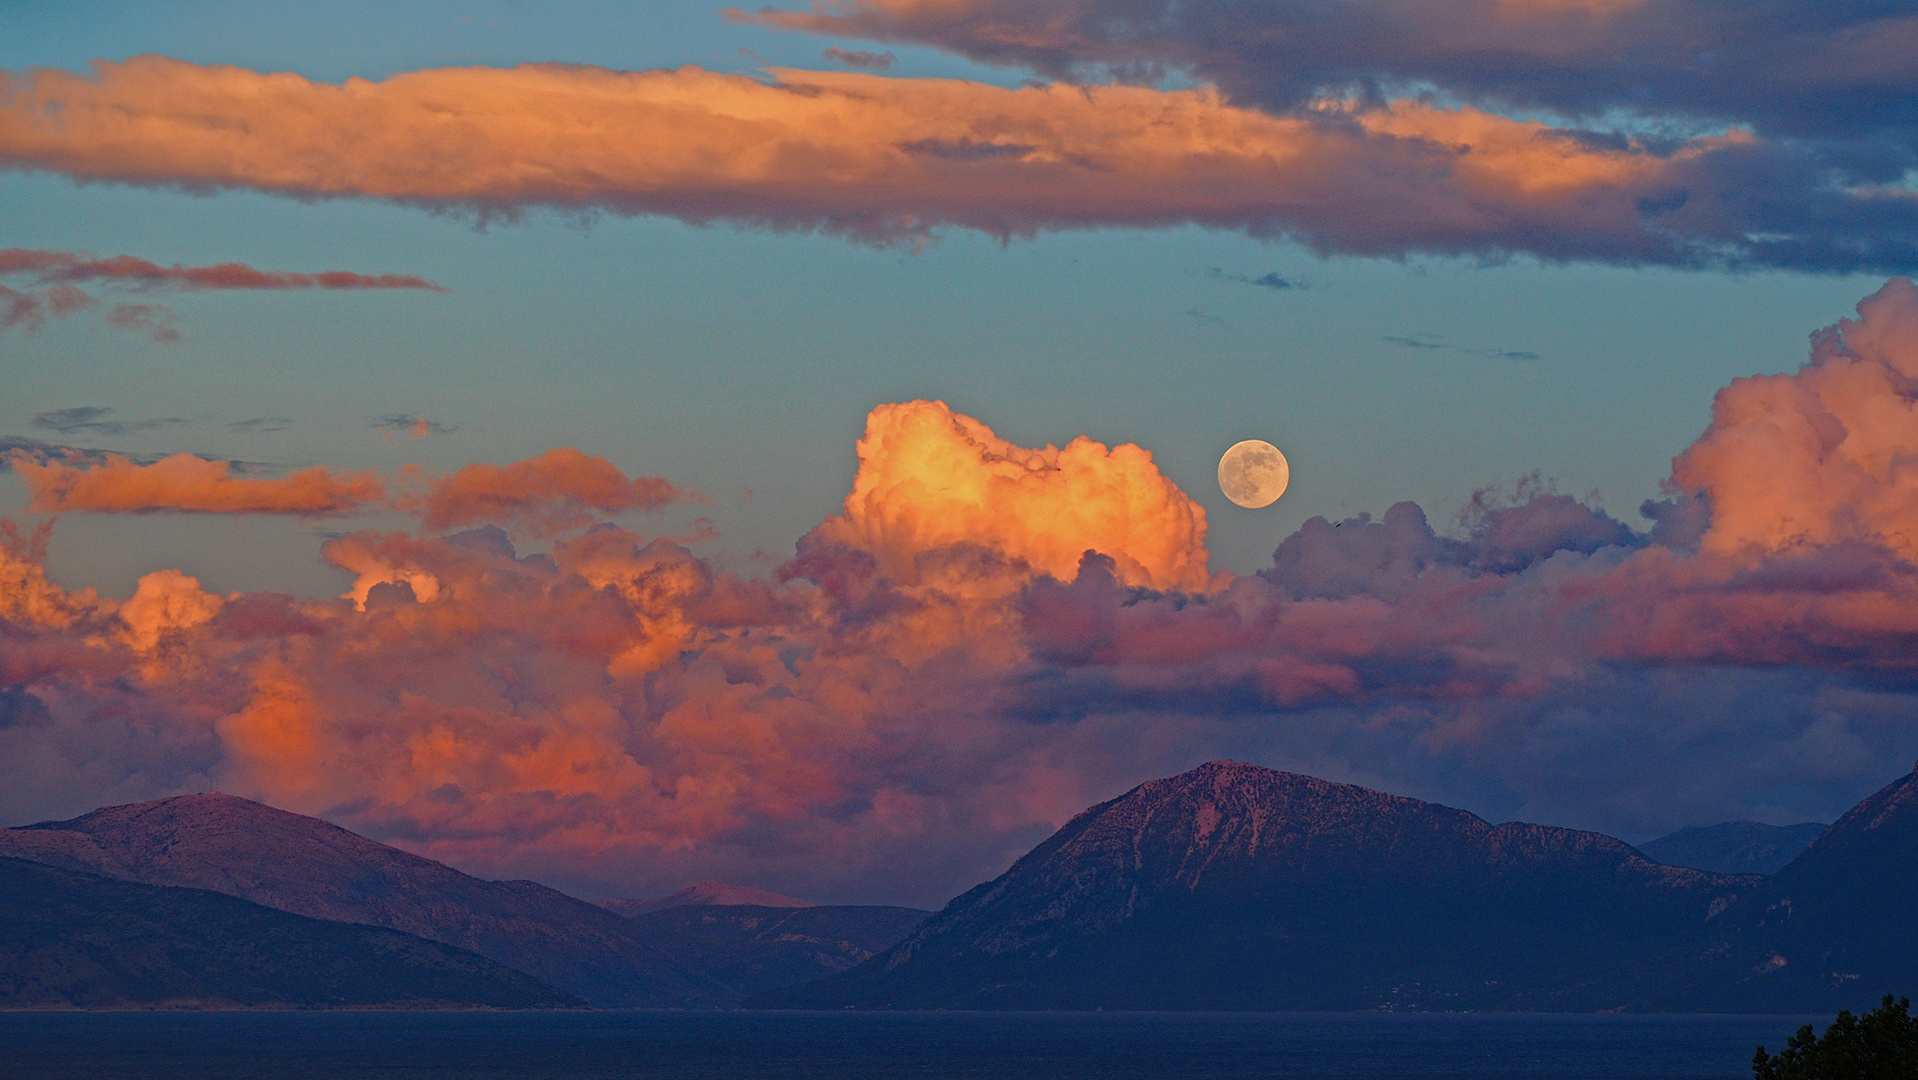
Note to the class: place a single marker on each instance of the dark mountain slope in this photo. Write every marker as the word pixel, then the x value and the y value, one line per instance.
pixel 308 867
pixel 707 894
pixel 1734 847
pixel 77 940
pixel 1836 928
pixel 753 949
pixel 1237 887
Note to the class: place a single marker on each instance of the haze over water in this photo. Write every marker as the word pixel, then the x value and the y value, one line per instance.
pixel 881 1046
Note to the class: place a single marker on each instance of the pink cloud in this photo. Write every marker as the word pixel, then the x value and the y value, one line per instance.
pixel 558 490
pixel 890 160
pixel 184 483
pixel 945 671
pixel 68 266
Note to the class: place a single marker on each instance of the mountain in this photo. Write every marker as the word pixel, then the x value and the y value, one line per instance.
pixel 1734 847
pixel 752 949
pixel 77 940
pixel 1237 887
pixel 305 866
pixel 707 893
pixel 1835 928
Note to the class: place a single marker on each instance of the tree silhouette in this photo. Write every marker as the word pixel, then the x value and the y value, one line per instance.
pixel 1880 1045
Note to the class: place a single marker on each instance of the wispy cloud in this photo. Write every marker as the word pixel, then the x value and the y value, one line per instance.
pixel 53 274
pixel 411 425
pixel 1272 280
pixel 1436 343
pixel 69 266
pixel 260 425
pixel 42 452
pixel 861 59
pixel 1206 318
pixel 97 420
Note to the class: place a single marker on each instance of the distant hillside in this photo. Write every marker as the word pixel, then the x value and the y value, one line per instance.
pixel 1837 927
pixel 755 949
pixel 77 940
pixel 706 893
pixel 1237 887
pixel 308 867
pixel 1735 847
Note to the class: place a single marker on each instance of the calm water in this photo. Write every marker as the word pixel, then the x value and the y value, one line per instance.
pixel 868 1046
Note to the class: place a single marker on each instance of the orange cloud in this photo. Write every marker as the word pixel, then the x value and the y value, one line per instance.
pixel 555 491
pixel 184 483
pixel 930 478
pixel 559 490
pixel 893 160
pixel 165 602
pixel 943 672
pixel 1827 454
pixel 57 270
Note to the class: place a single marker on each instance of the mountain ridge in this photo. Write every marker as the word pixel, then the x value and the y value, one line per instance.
pixel 1734 847
pixel 1832 929
pixel 311 867
pixel 706 894
pixel 76 940
pixel 1286 891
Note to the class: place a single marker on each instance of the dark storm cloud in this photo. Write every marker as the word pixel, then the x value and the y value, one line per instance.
pixel 1813 69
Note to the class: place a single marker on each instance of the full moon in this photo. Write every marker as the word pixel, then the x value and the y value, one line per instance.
pixel 1254 474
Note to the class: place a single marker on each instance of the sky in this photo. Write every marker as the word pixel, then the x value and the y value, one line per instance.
pixel 632 469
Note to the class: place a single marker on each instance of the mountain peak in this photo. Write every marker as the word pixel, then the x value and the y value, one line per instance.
pixel 720 892
pixel 1833 927
pixel 1236 886
pixel 200 807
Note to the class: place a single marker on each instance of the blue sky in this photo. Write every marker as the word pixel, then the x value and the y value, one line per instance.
pixel 735 361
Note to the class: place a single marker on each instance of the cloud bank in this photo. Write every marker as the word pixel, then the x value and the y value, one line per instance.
pixel 987 637
pixel 894 160
pixel 1798 68
pixel 184 483
pixel 561 489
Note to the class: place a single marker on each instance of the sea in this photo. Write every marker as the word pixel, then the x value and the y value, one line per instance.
pixel 746 1045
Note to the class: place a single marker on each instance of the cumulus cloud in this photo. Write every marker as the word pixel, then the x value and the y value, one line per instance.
pixel 988 637
pixel 930 478
pixel 1829 454
pixel 892 160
